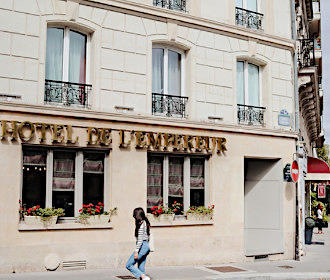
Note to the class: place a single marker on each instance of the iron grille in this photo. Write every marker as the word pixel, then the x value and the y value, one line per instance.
pixel 177 5
pixel 250 115
pixel 169 105
pixel 306 53
pixel 67 93
pixel 249 19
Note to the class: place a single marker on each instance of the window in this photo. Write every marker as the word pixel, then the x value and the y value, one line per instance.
pixel 167 82
pixel 247 14
pixel 66 67
pixel 248 93
pixel 248 89
pixel 177 5
pixel 176 178
pixel 63 178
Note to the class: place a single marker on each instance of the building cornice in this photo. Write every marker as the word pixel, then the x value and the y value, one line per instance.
pixel 186 19
pixel 87 114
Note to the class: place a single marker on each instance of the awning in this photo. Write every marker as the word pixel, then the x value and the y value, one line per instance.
pixel 317 170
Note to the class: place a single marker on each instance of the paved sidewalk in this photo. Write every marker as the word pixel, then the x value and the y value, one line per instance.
pixel 315 265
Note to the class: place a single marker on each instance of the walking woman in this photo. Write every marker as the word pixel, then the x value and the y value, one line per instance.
pixel 139 256
pixel 319 218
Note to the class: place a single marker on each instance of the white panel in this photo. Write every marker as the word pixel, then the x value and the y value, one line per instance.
pixel 49 179
pixel 78 189
pixel 263 192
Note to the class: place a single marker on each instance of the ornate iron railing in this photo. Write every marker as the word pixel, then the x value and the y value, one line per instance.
pixel 306 53
pixel 177 5
pixel 67 93
pixel 249 19
pixel 169 105
pixel 250 115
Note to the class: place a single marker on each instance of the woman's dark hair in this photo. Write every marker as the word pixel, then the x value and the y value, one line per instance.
pixel 140 216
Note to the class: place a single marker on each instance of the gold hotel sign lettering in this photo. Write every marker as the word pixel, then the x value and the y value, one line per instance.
pixel 63 134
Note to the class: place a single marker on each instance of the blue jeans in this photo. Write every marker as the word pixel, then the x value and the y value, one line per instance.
pixel 141 261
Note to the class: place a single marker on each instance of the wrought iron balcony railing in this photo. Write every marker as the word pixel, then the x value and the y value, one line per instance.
pixel 67 93
pixel 249 19
pixel 176 5
pixel 250 115
pixel 306 53
pixel 169 105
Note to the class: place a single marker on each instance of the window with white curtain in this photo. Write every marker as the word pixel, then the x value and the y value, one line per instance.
pixel 66 55
pixel 174 178
pixel 63 178
pixel 248 84
pixel 251 5
pixel 167 71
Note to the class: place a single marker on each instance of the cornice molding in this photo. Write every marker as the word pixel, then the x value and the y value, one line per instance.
pixel 186 19
pixel 81 114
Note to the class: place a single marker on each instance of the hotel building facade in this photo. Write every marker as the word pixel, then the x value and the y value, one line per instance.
pixel 137 103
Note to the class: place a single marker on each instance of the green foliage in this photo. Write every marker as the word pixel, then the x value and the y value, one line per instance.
pixel 92 210
pixel 43 212
pixel 202 210
pixel 323 153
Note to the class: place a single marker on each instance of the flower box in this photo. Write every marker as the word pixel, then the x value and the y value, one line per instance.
pixel 199 217
pixel 94 220
pixel 40 221
pixel 161 218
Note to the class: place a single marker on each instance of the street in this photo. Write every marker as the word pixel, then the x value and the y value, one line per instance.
pixel 315 265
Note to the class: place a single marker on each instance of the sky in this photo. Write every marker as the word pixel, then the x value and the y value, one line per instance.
pixel 325 42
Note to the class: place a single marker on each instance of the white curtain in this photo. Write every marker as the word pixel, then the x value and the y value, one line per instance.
pixel 239 3
pixel 251 5
pixel 54 54
pixel 63 171
pixel 175 177
pixel 174 73
pixel 240 83
pixel 253 85
pixel 157 70
pixel 77 58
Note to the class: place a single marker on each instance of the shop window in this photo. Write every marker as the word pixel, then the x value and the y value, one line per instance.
pixel 62 179
pixel 167 82
pixel 248 94
pixel 176 178
pixel 34 178
pixel 66 66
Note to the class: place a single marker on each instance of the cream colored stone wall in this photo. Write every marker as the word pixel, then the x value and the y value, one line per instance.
pixel 182 245
pixel 120 58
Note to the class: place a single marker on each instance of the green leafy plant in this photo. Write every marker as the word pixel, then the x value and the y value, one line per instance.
pixel 42 212
pixel 201 210
pixel 177 207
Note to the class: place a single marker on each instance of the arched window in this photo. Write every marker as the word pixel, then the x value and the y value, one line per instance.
pixel 66 66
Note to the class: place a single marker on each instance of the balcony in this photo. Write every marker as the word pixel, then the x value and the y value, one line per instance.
pixel 306 53
pixel 176 5
pixel 169 105
pixel 67 93
pixel 250 115
pixel 249 19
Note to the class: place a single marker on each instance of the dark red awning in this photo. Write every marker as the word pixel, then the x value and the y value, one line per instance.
pixel 316 165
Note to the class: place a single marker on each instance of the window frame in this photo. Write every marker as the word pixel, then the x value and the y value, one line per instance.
pixel 78 191
pixel 244 6
pixel 66 51
pixel 186 177
pixel 246 82
pixel 166 48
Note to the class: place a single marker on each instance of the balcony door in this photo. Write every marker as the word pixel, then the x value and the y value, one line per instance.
pixel 251 5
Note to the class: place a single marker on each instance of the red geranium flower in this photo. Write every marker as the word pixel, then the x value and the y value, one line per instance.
pixel 97 210
pixel 80 210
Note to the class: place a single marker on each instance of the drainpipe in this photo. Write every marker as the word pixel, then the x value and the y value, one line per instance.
pixel 299 236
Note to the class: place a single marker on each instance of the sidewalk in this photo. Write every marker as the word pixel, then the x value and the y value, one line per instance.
pixel 315 265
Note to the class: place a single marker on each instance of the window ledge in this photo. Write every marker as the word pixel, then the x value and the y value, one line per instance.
pixel 181 223
pixel 64 226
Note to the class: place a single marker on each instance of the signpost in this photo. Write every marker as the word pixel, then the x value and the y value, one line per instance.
pixel 295 171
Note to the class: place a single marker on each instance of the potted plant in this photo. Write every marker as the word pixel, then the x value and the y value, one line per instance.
pixel 41 216
pixel 177 208
pixel 161 214
pixel 200 213
pixel 95 214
